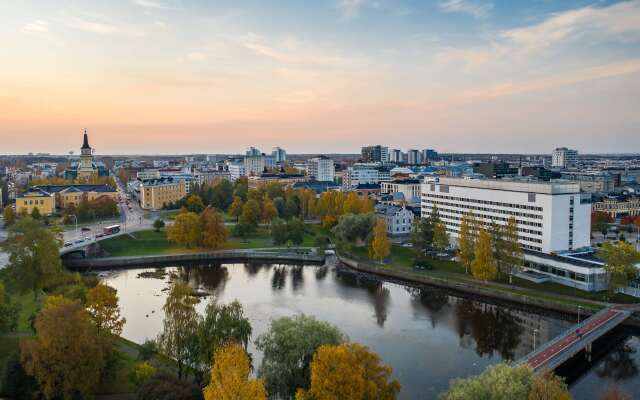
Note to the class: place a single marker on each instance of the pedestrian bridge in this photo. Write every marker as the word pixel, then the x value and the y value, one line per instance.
pixel 81 246
pixel 570 342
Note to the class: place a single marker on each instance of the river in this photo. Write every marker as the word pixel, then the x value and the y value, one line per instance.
pixel 427 335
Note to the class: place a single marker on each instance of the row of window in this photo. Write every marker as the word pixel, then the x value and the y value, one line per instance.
pixel 487 202
pixel 468 207
pixel 452 230
pixel 35 202
pixel 503 219
pixel 487 226
pixel 575 276
pixel 455 218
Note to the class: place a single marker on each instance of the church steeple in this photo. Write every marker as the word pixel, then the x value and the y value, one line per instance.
pixel 85 145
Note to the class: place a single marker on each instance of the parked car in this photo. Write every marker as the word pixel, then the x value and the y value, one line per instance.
pixel 85 229
pixel 67 244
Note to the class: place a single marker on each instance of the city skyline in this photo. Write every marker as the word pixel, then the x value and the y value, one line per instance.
pixel 168 76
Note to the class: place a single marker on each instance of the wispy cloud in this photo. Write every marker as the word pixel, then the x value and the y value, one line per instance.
pixel 36 26
pixel 151 4
pixel 476 9
pixel 350 9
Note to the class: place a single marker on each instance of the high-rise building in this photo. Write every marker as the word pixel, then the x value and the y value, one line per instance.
pixel 563 157
pixel 375 153
pixel 429 155
pixel 321 169
pixel 279 155
pixel 413 157
pixel 252 151
pixel 395 156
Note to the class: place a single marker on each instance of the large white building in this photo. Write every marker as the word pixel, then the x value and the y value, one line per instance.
pixel 321 169
pixel 410 189
pixel 236 170
pixel 279 155
pixel 551 217
pixel 563 157
pixel 365 174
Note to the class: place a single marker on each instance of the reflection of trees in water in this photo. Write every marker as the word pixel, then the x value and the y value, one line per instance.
pixel 493 328
pixel 279 278
pixel 321 272
pixel 253 269
pixel 380 297
pixel 431 301
pixel 297 277
pixel 212 277
pixel 619 364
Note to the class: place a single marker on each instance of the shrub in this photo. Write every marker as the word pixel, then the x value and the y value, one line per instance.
pixel 166 387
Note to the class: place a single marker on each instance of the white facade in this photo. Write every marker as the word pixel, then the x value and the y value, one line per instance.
pixel 399 220
pixel 363 174
pixel 321 169
pixel 563 157
pixel 410 188
pixel 395 156
pixel 236 171
pixel 146 174
pixel 279 155
pixel 551 217
pixel 413 157
pixel 254 164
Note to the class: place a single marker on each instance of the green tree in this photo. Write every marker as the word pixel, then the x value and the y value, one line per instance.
pixel 422 234
pixel 8 312
pixel 142 372
pixel 66 357
pixel 214 233
pixel 619 263
pixel 185 229
pixel 34 258
pixel 380 246
pixel 179 326
pixel 291 208
pixel 466 247
pixel 484 265
pixel 241 188
pixel 222 323
pixel 295 230
pixel 349 371
pixel 440 237
pixel 279 232
pixel 288 347
pixel 222 195
pixel 235 210
pixel 9 216
pixel 158 224
pixel 512 253
pixel 355 228
pixel 35 213
pixel 251 213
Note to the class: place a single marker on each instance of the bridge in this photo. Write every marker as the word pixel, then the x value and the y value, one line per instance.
pixel 82 244
pixel 570 342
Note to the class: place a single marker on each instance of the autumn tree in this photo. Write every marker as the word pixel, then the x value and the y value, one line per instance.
pixel 9 216
pixel 251 213
pixel 466 248
pixel 352 204
pixel 214 233
pixel 512 253
pixel 9 310
pixel 619 263
pixel 194 203
pixel 66 357
pixel 349 371
pixel 179 325
pixel 102 304
pixel 34 258
pixel 484 265
pixel 230 376
pixel 380 246
pixel 288 347
pixel 269 211
pixel 185 229
pixel 235 209
pixel 440 237
pixel 548 386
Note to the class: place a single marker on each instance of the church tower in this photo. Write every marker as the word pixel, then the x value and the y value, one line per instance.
pixel 86 168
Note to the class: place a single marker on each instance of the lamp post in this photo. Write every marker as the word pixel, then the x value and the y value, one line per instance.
pixel 579 308
pixel 534 339
pixel 75 217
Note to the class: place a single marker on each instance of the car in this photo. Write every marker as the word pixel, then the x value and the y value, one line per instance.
pixel 85 229
pixel 78 241
pixel 67 244
pixel 408 245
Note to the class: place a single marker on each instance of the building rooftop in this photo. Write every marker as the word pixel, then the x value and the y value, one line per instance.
pixel 76 188
pixel 513 186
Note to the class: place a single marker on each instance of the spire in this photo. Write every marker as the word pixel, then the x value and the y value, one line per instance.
pixel 85 145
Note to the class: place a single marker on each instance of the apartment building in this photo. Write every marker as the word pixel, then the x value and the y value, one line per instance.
pixel 563 157
pixel 410 189
pixel 618 206
pixel 321 169
pixel 373 154
pixel 399 220
pixel 236 170
pixel 157 193
pixel 365 174
pixel 551 217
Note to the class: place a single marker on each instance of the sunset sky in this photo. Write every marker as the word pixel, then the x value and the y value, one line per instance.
pixel 181 76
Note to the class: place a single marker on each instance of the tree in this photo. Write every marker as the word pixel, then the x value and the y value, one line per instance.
pixel 242 230
pixel 9 216
pixel 352 204
pixel 165 387
pixel 484 265
pixel 296 229
pixel 614 394
pixel 66 357
pixel 291 208
pixel 619 263
pixel 440 237
pixel 380 247
pixel 8 312
pixel 158 224
pixel 349 371
pixel 179 325
pixel 236 207
pixel 102 304
pixel 194 203
pixel 422 235
pixel 355 228
pixel 214 233
pixel 230 376
pixel 251 213
pixel 512 253
pixel 142 372
pixel 222 323
pixel 279 232
pixel 269 211
pixel 35 213
pixel 185 229
pixel 466 248
pixel 288 347
pixel 222 195
pixel 548 386
pixel 34 258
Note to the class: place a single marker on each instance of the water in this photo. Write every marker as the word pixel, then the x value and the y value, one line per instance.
pixel 428 336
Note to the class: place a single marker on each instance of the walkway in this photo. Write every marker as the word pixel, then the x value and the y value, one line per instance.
pixel 570 342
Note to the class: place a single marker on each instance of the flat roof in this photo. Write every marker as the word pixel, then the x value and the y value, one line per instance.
pixel 513 186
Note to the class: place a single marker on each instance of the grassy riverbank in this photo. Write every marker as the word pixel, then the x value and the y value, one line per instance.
pixel 150 242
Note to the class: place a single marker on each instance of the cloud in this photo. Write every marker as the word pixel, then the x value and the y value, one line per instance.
pixel 92 26
pixel 151 4
pixel 350 9
pixel 478 10
pixel 36 26
pixel 196 56
pixel 597 24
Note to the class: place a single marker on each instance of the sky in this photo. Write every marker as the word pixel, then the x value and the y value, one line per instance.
pixel 321 76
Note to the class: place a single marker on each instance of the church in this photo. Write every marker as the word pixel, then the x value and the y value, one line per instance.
pixel 86 167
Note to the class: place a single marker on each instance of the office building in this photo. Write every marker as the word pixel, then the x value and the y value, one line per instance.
pixel 365 174
pixel 279 155
pixel 375 154
pixel 254 164
pixel 495 170
pixel 236 170
pixel 156 194
pixel 321 169
pixel 396 156
pixel 429 155
pixel 563 157
pixel 413 157
pixel 551 217
pixel 147 174
pixel 63 196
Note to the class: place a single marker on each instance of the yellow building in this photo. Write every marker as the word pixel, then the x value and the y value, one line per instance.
pixel 44 201
pixel 157 193
pixel 64 195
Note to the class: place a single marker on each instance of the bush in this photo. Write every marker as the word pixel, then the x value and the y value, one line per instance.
pixel 158 224
pixel 166 387
pixel 15 382
pixel 148 349
pixel 142 372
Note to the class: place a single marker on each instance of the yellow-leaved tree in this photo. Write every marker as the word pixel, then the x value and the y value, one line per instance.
pixel 465 243
pixel 380 247
pixel 185 229
pixel 235 209
pixel 269 210
pixel 214 233
pixel 349 371
pixel 102 304
pixel 484 266
pixel 230 376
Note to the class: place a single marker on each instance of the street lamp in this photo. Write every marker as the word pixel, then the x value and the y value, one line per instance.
pixel 534 339
pixel 76 219
pixel 579 307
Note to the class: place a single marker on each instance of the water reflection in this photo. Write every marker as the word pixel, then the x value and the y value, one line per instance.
pixel 620 364
pixel 279 278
